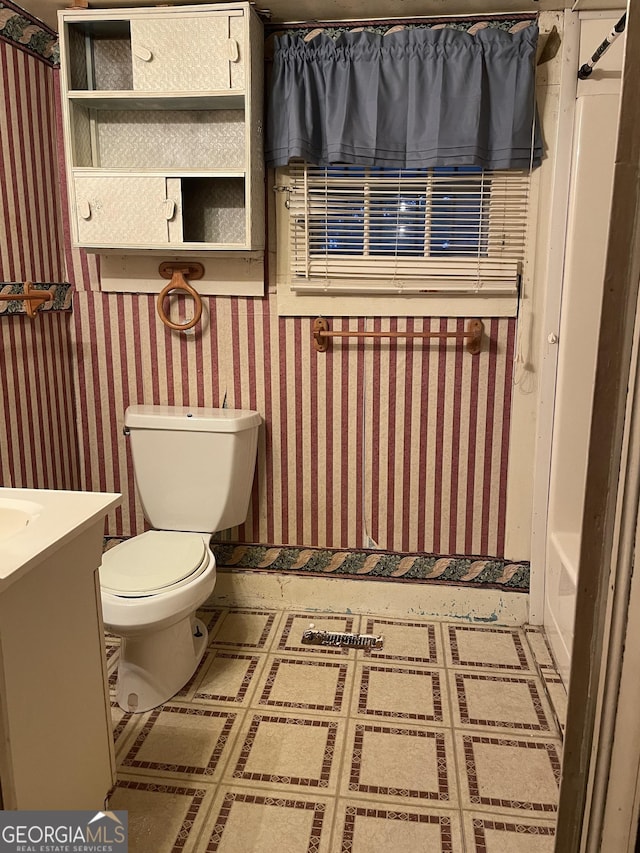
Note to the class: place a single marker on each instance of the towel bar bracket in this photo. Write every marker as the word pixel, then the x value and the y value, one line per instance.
pixel 191 269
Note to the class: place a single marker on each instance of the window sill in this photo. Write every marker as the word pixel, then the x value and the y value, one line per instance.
pixel 292 304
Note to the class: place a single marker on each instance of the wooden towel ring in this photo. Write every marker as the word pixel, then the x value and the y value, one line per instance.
pixel 179 282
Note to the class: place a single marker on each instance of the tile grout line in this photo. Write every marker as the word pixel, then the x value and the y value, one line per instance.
pixel 335 823
pixel 458 774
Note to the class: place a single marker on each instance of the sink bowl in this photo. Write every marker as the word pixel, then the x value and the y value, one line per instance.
pixel 15 515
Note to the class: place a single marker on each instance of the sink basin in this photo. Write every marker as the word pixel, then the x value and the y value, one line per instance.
pixel 15 515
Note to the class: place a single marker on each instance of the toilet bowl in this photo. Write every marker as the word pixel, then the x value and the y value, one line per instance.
pixel 152 584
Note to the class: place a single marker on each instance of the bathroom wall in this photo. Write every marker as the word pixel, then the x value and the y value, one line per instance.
pixel 401 445
pixel 37 418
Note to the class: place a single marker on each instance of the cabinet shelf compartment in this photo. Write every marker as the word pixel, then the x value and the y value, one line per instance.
pixel 99 55
pixel 214 210
pixel 204 140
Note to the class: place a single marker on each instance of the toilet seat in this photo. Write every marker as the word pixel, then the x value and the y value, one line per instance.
pixel 152 563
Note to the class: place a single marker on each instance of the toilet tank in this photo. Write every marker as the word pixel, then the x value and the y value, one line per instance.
pixel 193 466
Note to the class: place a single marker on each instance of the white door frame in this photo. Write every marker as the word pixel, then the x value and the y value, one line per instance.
pixel 596 806
pixel 550 323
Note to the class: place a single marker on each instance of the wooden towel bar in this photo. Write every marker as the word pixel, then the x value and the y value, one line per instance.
pixel 322 333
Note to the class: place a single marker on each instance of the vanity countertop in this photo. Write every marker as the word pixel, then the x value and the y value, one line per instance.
pixel 40 521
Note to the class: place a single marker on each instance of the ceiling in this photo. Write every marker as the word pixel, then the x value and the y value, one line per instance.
pixel 329 10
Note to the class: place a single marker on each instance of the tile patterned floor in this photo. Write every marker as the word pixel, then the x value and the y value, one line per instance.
pixel 448 739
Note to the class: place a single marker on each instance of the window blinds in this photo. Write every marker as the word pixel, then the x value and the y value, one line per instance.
pixel 370 230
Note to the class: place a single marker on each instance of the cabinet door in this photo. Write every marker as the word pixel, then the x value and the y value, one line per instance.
pixel 185 53
pixel 122 211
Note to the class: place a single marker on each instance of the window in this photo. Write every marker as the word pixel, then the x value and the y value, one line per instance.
pixel 404 234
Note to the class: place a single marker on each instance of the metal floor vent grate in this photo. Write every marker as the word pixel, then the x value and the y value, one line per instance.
pixel 330 638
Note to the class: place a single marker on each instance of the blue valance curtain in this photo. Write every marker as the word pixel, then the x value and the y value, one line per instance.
pixel 409 99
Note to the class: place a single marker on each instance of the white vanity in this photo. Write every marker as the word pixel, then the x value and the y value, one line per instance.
pixel 56 749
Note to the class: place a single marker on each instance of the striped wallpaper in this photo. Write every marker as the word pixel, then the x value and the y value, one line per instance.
pixel 37 419
pixel 398 445
pixel 31 243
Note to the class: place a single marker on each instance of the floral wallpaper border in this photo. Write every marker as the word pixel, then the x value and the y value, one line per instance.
pixel 489 572
pixel 486 572
pixel 25 31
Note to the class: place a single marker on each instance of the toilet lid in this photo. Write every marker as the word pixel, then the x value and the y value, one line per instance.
pixel 151 562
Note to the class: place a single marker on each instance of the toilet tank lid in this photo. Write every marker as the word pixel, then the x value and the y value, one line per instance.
pixel 193 418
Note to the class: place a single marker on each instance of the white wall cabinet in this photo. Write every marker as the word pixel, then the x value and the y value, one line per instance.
pixel 162 111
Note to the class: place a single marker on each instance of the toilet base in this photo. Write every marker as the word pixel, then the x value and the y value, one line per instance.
pixel 155 666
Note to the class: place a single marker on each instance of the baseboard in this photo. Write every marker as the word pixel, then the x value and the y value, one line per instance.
pixel 246 588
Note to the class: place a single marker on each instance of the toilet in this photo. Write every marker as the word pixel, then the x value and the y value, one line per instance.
pixel 194 471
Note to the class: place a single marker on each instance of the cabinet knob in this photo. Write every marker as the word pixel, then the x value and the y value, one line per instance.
pixel 84 209
pixel 234 50
pixel 142 53
pixel 169 208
